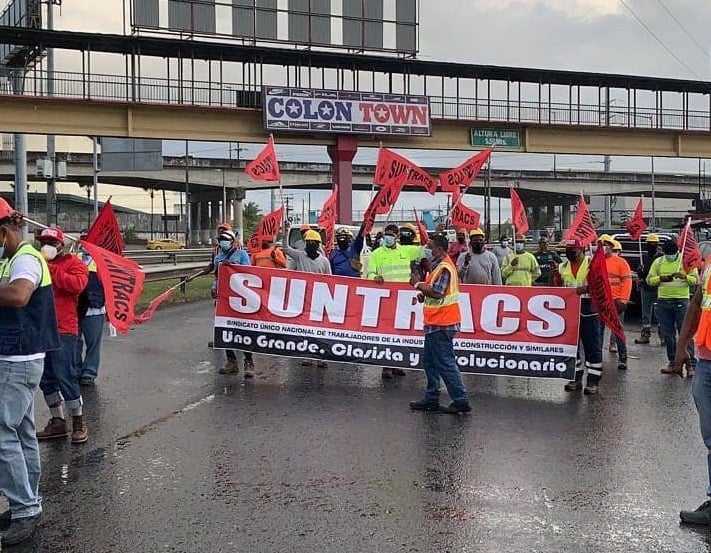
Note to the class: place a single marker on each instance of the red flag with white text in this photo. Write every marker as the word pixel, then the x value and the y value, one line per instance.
pixel 122 280
pixel 265 166
pixel 382 203
pixel 327 219
pixel 392 168
pixel 637 225
pixel 146 315
pixel 518 213
pixel 583 228
pixel 601 293
pixel 105 231
pixel 691 255
pixel 463 175
pixel 421 229
pixel 464 217
pixel 267 229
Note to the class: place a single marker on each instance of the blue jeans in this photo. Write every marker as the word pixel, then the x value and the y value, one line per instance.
pixel 439 363
pixel 90 333
pixel 59 380
pixel 670 315
pixel 701 389
pixel 19 451
pixel 647 298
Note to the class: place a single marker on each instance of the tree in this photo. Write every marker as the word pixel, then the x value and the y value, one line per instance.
pixel 251 215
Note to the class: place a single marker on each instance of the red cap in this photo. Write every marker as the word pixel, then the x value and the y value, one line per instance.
pixel 5 210
pixel 52 234
pixel 573 244
pixel 225 226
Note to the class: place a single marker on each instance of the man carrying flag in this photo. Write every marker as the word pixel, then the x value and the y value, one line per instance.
pixel 620 276
pixel 28 329
pixel 573 273
pixel 345 257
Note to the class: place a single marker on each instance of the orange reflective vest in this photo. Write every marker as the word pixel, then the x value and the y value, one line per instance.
pixel 264 258
pixel 703 333
pixel 444 311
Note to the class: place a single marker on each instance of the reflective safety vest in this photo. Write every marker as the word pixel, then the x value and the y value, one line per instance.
pixel 575 281
pixel 444 311
pixel 703 333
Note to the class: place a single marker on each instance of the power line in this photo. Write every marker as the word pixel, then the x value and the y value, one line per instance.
pixel 659 40
pixel 700 46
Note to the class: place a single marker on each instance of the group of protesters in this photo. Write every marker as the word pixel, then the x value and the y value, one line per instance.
pixel 51 309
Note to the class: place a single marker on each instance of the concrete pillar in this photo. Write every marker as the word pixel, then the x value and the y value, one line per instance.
pixel 238 209
pixel 204 229
pixel 550 215
pixel 565 217
pixel 194 222
pixel 341 155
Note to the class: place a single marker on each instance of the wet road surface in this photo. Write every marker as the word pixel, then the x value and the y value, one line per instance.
pixel 183 459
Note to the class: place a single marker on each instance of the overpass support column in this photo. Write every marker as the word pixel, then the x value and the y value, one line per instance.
pixel 565 216
pixel 194 222
pixel 342 154
pixel 550 214
pixel 238 209
pixel 204 231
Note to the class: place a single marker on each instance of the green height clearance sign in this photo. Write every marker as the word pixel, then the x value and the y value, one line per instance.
pixel 499 138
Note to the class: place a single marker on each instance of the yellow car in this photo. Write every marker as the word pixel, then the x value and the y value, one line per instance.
pixel 164 244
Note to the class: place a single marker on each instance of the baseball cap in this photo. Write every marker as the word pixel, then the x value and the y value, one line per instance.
pixel 6 210
pixel 575 243
pixel 52 234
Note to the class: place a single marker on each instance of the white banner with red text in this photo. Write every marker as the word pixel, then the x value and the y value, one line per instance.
pixel 509 331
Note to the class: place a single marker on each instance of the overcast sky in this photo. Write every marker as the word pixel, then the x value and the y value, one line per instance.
pixel 592 35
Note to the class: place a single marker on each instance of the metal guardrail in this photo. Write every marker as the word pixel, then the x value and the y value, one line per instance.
pixel 169 257
pixel 151 90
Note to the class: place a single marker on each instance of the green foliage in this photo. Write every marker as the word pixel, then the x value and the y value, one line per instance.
pixel 251 215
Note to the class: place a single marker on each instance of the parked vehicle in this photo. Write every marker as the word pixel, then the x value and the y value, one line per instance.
pixel 164 244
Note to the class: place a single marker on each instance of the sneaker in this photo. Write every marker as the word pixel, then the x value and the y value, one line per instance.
pixel 670 369
pixel 622 365
pixel 387 374
pixel 573 386
pixel 398 372
pixel 86 381
pixel 20 529
pixel 590 390
pixel 642 340
pixel 210 344
pixel 457 407
pixel 80 432
pixel 425 405
pixel 56 428
pixel 5 519
pixel 248 368
pixel 702 515
pixel 231 367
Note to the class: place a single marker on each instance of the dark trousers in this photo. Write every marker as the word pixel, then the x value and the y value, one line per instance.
pixel 591 336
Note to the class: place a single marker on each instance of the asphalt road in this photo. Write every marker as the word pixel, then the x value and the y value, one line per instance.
pixel 181 459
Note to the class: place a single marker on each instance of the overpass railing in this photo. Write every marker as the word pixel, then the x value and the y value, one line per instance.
pixel 173 91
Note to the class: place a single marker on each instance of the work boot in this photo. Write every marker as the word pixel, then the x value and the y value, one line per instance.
pixel 425 405
pixel 398 372
pixel 231 367
pixel 590 389
pixel 387 373
pixel 80 433
pixel 5 519
pixel 56 428
pixel 643 339
pixel 702 515
pixel 573 386
pixel 248 368
pixel 622 364
pixel 20 529
pixel 456 408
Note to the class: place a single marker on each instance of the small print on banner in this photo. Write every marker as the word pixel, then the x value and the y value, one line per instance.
pixel 507 331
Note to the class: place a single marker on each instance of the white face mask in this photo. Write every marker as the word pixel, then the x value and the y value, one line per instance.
pixel 2 248
pixel 49 252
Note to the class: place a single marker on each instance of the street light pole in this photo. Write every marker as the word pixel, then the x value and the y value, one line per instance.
pixel 654 211
pixel 224 198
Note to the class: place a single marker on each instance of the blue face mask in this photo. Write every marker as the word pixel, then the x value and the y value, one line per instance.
pixel 670 257
pixel 519 247
pixel 388 240
pixel 225 245
pixel 427 253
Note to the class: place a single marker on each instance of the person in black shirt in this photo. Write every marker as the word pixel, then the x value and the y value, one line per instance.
pixel 547 259
pixel 648 294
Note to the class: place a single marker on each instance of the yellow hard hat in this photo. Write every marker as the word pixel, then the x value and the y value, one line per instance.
pixel 312 235
pixel 652 237
pixel 605 238
pixel 616 245
pixel 476 232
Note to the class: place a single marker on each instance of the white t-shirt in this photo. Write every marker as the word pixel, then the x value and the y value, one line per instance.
pixel 28 267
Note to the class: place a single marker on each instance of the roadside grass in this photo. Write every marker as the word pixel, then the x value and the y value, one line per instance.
pixel 198 289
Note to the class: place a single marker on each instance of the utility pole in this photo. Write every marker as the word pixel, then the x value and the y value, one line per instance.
pixel 187 197
pixel 654 197
pixel 51 144
pixel 96 178
pixel 17 78
pixel 608 200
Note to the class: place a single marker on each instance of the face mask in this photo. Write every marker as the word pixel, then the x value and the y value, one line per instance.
pixel 652 250
pixel 311 250
pixel 504 243
pixel 2 248
pixel 49 252
pixel 572 255
pixel 343 243
pixel 388 240
pixel 427 253
pixel 460 239
pixel 225 245
pixel 406 239
pixel 477 247
pixel 670 257
pixel 519 247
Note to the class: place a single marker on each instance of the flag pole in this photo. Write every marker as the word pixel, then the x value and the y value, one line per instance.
pixel 40 225
pixel 687 228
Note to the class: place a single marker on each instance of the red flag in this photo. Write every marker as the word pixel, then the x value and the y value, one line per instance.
pixel 601 293
pixel 382 202
pixel 464 174
pixel 421 229
pixel 267 229
pixel 518 213
pixel 464 217
pixel 265 166
pixel 327 219
pixel 151 309
pixel 583 228
pixel 393 168
pixel 637 225
pixel 122 280
pixel 691 255
pixel 105 232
